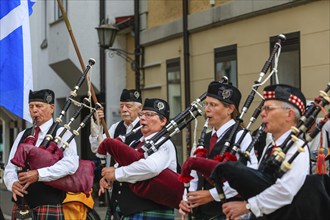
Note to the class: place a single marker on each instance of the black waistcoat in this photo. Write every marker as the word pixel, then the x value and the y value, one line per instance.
pixel 213 208
pixel 122 195
pixel 38 192
pixel 121 130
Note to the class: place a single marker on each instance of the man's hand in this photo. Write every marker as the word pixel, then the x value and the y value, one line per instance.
pixel 27 178
pixel 104 184
pixel 18 190
pixel 109 174
pixel 234 210
pixel 100 113
pixel 184 208
pixel 198 198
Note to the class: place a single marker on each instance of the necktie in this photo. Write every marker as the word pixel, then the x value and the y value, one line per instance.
pixel 140 144
pixel 36 132
pixel 137 144
pixel 268 153
pixel 213 141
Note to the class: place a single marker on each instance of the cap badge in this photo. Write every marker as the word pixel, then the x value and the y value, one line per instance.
pixel 48 98
pixel 136 94
pixel 225 93
pixel 160 106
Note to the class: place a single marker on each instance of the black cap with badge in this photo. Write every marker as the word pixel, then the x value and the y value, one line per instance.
pixel 131 95
pixel 287 94
pixel 43 95
pixel 225 93
pixel 157 105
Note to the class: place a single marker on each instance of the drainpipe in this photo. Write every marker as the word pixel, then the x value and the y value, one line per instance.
pixel 186 60
pixel 101 52
pixel 137 43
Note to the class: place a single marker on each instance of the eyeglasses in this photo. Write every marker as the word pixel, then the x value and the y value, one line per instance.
pixel 213 105
pixel 147 114
pixel 268 108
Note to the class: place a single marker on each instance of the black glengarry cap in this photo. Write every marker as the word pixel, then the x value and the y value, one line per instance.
pixel 224 92
pixel 286 93
pixel 157 105
pixel 131 95
pixel 43 95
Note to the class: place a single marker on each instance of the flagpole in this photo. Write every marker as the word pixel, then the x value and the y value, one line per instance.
pixel 75 45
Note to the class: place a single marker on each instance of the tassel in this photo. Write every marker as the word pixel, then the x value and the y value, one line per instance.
pixel 320 162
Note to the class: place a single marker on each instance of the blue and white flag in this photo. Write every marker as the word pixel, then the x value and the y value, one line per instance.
pixel 15 56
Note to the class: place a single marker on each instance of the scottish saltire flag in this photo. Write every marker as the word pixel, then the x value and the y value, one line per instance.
pixel 15 56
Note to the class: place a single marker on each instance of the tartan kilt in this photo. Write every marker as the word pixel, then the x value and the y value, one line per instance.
pixel 166 214
pixel 45 212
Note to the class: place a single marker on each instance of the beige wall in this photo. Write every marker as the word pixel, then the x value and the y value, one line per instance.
pixel 163 11
pixel 130 80
pixel 252 39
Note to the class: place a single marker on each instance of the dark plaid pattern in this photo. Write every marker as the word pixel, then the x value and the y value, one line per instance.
pixel 286 93
pixel 152 215
pixel 45 212
pixel 209 217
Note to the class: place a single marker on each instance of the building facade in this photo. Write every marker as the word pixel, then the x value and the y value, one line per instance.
pixel 57 66
pixel 232 38
pixel 183 46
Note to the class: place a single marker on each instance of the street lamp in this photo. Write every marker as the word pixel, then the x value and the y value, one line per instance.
pixel 107 34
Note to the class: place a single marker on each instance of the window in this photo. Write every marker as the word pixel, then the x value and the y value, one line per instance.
pixel 289 60
pixel 226 63
pixel 174 97
pixel 57 9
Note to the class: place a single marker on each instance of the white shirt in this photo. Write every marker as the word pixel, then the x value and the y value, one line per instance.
pixel 66 166
pixel 95 143
pixel 282 192
pixel 229 192
pixel 147 168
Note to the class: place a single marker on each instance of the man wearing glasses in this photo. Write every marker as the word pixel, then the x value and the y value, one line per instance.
pixel 153 117
pixel 282 109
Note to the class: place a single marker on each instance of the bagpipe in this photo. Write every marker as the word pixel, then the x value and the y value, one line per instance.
pixel 245 156
pixel 164 189
pixel 229 150
pixel 23 210
pixel 200 163
pixel 305 122
pixel 28 156
pixel 316 188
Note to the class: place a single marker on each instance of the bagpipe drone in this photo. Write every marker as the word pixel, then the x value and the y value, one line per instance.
pixel 164 189
pixel 28 156
pixel 316 188
pixel 228 152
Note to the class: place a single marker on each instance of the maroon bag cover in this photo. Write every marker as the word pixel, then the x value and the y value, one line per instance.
pixel 39 157
pixel 164 189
